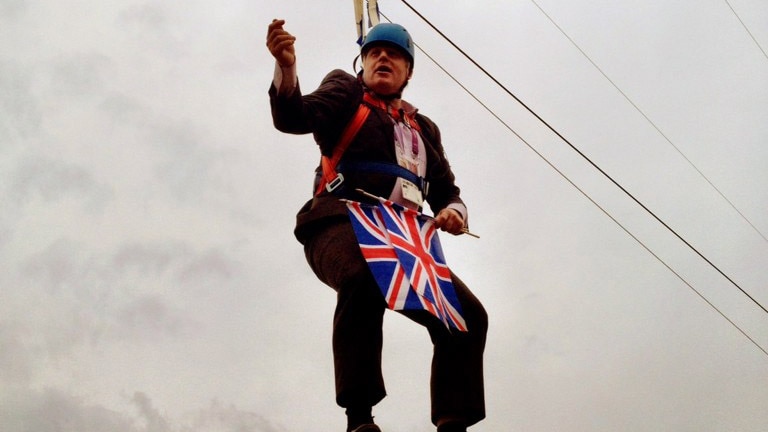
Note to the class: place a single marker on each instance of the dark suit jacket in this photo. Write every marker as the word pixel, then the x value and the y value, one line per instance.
pixel 325 112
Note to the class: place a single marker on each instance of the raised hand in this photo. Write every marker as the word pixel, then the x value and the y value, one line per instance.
pixel 281 43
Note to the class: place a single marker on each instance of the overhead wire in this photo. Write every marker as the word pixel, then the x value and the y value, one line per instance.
pixel 652 123
pixel 747 29
pixel 710 263
pixel 587 159
pixel 587 196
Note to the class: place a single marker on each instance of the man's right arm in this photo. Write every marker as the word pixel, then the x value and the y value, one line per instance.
pixel 285 79
pixel 281 45
pixel 285 103
pixel 323 110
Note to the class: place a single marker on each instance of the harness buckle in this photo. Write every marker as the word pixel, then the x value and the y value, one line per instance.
pixel 335 183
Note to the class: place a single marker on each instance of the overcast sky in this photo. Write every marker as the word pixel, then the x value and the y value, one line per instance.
pixel 151 283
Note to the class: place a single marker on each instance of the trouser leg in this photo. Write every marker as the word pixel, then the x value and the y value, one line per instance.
pixel 335 257
pixel 357 345
pixel 457 388
pixel 457 383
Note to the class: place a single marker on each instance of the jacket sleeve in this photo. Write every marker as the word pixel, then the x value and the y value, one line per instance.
pixel 320 112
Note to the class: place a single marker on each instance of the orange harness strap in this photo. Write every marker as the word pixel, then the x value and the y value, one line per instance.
pixel 328 164
pixel 408 118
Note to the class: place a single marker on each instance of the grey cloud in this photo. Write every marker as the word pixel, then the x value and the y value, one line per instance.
pixel 191 167
pixel 54 410
pixel 228 418
pixel 56 266
pixel 148 259
pixel 174 120
pixel 63 275
pixel 20 114
pixel 151 416
pixel 79 75
pixel 147 24
pixel 148 15
pixel 183 155
pixel 26 87
pixel 53 179
pixel 12 9
pixel 15 358
pixel 147 317
pixel 215 418
pixel 211 264
pixel 124 110
pixel 116 296
pixel 6 233
pixel 180 260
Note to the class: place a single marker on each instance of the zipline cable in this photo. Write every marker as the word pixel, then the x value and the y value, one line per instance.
pixel 747 29
pixel 586 158
pixel 631 102
pixel 586 195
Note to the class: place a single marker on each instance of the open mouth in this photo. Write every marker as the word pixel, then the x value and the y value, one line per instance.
pixel 383 69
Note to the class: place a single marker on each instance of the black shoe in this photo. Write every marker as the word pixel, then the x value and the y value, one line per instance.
pixel 369 427
pixel 456 426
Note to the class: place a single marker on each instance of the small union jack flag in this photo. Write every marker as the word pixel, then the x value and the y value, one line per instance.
pixel 404 254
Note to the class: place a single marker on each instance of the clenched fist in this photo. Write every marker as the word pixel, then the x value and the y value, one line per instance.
pixel 281 43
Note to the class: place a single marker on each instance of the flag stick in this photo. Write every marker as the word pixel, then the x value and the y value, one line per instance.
pixel 372 196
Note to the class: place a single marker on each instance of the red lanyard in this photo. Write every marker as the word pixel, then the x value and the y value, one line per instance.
pixel 398 115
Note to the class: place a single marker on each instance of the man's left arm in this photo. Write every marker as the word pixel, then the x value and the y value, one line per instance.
pixel 444 196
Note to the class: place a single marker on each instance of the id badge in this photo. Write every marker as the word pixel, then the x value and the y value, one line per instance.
pixel 411 192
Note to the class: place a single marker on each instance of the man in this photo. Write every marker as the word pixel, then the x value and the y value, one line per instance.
pixel 408 145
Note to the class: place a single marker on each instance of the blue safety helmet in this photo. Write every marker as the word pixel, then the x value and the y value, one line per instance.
pixel 394 34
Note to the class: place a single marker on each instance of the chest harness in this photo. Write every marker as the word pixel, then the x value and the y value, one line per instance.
pixel 333 168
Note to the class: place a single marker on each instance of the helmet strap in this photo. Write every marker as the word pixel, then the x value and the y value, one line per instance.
pixel 354 65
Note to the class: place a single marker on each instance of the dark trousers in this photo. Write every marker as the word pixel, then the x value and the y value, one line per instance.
pixel 457 363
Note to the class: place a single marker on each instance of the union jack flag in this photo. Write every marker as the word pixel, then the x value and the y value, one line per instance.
pixel 404 254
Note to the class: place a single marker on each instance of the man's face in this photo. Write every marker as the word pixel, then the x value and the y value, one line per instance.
pixel 385 69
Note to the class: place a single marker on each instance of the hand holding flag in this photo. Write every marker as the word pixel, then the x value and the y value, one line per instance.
pixel 450 220
pixel 445 217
